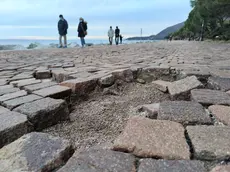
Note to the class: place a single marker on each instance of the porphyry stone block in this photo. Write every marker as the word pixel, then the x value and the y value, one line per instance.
pixel 184 112
pixel 100 160
pixel 210 97
pixel 45 112
pixel 151 165
pixel 219 83
pixel 11 104
pixel 153 138
pixel 56 91
pixel 210 142
pixel 34 87
pixel 161 85
pixel 9 96
pixel 35 152
pixel 12 126
pixel 183 87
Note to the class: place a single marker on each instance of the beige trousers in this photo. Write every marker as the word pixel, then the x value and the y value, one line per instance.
pixel 60 40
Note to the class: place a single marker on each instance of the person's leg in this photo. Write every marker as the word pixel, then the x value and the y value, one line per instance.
pixel 83 41
pixel 110 40
pixel 60 41
pixel 82 44
pixel 65 40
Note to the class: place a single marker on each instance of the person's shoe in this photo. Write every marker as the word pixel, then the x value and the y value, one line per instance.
pixel 65 47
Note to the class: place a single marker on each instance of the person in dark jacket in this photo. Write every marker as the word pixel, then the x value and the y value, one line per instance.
pixel 82 31
pixel 117 35
pixel 62 29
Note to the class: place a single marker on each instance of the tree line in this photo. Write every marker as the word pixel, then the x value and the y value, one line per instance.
pixel 209 19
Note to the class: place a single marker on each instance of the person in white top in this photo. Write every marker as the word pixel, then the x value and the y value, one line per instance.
pixel 111 35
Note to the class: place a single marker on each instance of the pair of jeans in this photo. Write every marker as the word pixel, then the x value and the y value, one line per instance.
pixel 60 40
pixel 110 40
pixel 82 41
pixel 117 40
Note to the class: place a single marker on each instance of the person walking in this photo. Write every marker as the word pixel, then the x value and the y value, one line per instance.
pixel 111 35
pixel 117 35
pixel 82 30
pixel 121 37
pixel 62 29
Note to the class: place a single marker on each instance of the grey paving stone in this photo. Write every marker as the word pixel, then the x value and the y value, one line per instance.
pixel 151 165
pixel 161 85
pixel 153 138
pixel 9 96
pixel 43 74
pixel 8 90
pixel 210 97
pixel 219 83
pixel 34 87
pixel 184 112
pixel 107 81
pixel 35 152
pixel 12 126
pixel 81 85
pixel 100 160
pixel 123 74
pixel 222 113
pixel 21 76
pixel 13 103
pixel 55 91
pixel 45 112
pixel 3 110
pixel 183 87
pixel 3 82
pixel 25 82
pixel 151 109
pixel 5 87
pixel 210 142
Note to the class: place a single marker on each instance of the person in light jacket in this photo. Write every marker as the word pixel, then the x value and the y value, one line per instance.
pixel 111 35
pixel 82 30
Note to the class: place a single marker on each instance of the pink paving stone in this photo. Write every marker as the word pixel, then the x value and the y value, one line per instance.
pixel 153 138
pixel 223 168
pixel 221 112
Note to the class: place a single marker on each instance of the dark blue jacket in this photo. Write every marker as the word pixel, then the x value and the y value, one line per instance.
pixel 82 28
pixel 62 27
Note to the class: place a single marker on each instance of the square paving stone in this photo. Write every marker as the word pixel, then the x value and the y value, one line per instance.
pixel 3 110
pixel 151 165
pixel 21 76
pixel 153 138
pixel 35 152
pixel 5 87
pixel 184 112
pixel 151 109
pixel 56 91
pixel 13 103
pixel 43 74
pixel 222 113
pixel 221 168
pixel 9 96
pixel 100 161
pixel 161 85
pixel 183 87
pixel 8 90
pixel 12 126
pixel 34 87
pixel 210 97
pixel 45 112
pixel 219 83
pixel 210 142
pixel 3 81
pixel 22 83
pixel 81 85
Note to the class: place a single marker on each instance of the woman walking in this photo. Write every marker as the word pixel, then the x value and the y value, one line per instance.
pixel 82 30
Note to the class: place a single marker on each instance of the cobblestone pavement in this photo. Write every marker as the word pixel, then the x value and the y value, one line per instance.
pixel 144 107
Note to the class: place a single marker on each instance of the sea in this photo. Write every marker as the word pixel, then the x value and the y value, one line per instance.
pixel 26 43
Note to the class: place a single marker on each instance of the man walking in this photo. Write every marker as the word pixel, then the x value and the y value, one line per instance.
pixel 111 35
pixel 117 35
pixel 62 29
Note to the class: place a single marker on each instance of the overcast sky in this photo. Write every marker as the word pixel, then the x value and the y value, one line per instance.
pixel 30 19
